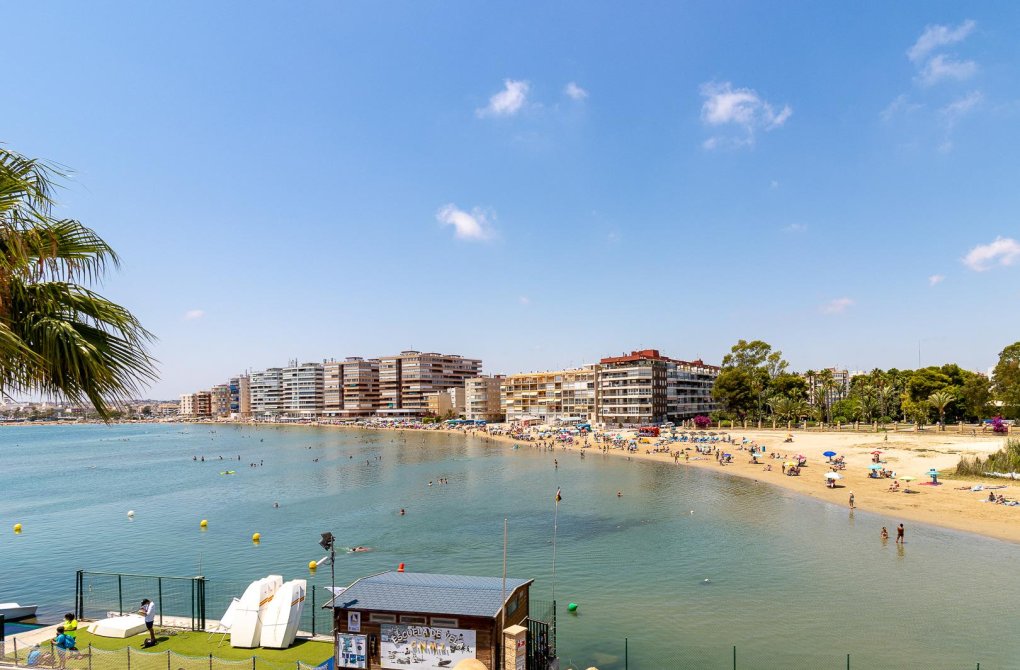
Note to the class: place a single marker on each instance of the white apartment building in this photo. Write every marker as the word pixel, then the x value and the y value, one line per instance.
pixel 301 390
pixel 266 386
pixel 351 387
pixel 481 398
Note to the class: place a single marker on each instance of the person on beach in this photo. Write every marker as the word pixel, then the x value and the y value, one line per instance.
pixel 63 643
pixel 899 534
pixel 851 500
pixel 885 533
pixel 148 610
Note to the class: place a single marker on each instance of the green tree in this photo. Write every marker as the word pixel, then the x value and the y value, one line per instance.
pixel 790 386
pixel 940 400
pixel 976 396
pixel 1007 379
pixel 732 390
pixel 786 408
pixel 57 336
pixel 758 366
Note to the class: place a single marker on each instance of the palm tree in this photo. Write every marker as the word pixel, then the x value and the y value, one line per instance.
pixel 940 400
pixel 57 336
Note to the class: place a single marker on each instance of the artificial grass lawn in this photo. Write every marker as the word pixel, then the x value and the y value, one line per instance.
pixel 197 643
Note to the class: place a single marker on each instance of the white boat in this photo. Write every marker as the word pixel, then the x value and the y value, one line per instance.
pixel 119 627
pixel 14 611
pixel 280 625
pixel 246 630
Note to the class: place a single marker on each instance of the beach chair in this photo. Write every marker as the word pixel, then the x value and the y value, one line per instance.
pixel 222 628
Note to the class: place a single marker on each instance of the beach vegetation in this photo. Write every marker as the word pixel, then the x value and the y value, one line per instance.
pixel 1006 459
pixel 58 337
pixel 939 401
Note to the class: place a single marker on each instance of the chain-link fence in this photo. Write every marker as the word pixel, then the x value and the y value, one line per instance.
pixel 90 658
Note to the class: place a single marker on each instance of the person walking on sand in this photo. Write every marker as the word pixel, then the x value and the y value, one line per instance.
pixel 899 534
pixel 851 500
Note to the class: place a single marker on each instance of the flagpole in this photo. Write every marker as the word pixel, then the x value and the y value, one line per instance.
pixel 502 608
pixel 556 511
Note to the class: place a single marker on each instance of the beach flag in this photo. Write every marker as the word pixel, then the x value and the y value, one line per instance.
pixel 558 496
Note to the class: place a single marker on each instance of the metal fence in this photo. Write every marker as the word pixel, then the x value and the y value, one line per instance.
pixel 131 659
pixel 743 658
pixel 186 602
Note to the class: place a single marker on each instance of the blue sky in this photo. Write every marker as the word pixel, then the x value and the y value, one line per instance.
pixel 537 184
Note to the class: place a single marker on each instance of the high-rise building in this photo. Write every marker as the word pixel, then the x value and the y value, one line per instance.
pixel 360 380
pixel 220 400
pixel 186 406
pixel 240 395
pixel 406 378
pixel 447 402
pixel 301 390
pixel 266 386
pixel 481 398
pixel 332 388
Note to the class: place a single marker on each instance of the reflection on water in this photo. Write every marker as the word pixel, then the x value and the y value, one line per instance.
pixel 793 582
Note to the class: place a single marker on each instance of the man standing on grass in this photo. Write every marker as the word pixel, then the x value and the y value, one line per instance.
pixel 149 611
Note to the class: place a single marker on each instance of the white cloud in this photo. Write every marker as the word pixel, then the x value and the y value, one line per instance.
pixel 901 105
pixel 936 279
pixel 507 102
pixel 475 225
pixel 937 36
pixel 575 92
pixel 1003 251
pixel 774 184
pixel 193 314
pixel 837 306
pixel 524 300
pixel 741 107
pixel 963 106
pixel 795 228
pixel 943 67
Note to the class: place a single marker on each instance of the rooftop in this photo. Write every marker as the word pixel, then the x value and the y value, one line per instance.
pixel 432 594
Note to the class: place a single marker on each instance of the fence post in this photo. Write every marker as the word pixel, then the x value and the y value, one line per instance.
pixel 252 663
pixel 313 610
pixel 90 656
pixel 848 662
pixel 159 591
pixel 77 595
pixel 120 595
pixel 625 654
pixel 193 608
pixel 167 654
pixel 128 650
pixel 210 660
pixel 734 657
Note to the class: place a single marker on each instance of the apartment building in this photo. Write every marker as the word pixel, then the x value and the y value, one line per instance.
pixel 240 395
pixel 351 387
pixel 220 400
pixel 301 390
pixel 481 398
pixel 840 388
pixel 196 405
pixel 552 396
pixel 406 378
pixel 645 387
pixel 446 402
pixel 265 387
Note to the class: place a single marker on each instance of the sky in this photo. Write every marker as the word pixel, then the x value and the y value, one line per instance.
pixel 536 184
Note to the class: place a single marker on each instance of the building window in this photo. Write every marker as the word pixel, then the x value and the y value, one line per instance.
pixel 413 620
pixel 382 618
pixel 512 606
pixel 440 622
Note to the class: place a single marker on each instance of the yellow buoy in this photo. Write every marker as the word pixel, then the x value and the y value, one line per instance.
pixel 203 523
pixel 17 528
pixel 256 537
pixel 312 565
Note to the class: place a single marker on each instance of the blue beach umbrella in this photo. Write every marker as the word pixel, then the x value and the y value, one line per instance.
pixel 829 454
pixel 876 466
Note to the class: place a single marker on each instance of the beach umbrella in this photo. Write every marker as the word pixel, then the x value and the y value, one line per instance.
pixel 829 454
pixel 908 478
pixel 876 451
pixel 933 471
pixel 789 464
pixel 833 475
pixel 876 466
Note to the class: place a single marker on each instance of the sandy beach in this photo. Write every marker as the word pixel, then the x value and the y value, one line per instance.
pixel 906 453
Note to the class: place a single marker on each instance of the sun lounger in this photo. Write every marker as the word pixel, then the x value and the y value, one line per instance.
pixel 118 627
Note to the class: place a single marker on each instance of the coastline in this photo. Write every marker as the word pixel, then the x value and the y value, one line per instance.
pixel 907 453
pixel 943 506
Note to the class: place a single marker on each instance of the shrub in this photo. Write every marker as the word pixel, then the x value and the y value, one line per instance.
pixel 702 422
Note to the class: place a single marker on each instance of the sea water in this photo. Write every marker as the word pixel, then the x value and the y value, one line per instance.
pixel 684 565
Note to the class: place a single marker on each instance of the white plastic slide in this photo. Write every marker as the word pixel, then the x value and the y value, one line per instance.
pixel 280 625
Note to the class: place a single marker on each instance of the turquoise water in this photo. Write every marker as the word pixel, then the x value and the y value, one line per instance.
pixel 795 583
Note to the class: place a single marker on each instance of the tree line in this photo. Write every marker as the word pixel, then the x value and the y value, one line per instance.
pixel 756 384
